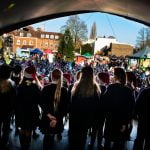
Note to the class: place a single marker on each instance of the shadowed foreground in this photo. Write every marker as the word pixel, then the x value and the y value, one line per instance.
pixel 37 144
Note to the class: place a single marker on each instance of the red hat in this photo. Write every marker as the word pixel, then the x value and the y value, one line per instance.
pixel 67 76
pixel 30 72
pixel 103 76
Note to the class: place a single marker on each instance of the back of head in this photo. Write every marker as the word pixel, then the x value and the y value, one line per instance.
pixel 87 72
pixel 17 69
pixel 85 86
pixel 131 78
pixel 120 75
pixel 104 77
pixel 5 72
pixel 30 72
pixel 56 74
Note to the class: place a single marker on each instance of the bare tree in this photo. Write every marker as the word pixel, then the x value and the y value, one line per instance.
pixel 77 27
pixel 143 39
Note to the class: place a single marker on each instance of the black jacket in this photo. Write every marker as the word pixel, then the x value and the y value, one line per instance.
pixel 7 101
pixel 118 103
pixel 27 110
pixel 47 104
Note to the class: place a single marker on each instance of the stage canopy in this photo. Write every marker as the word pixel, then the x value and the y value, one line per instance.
pixel 18 13
pixel 145 53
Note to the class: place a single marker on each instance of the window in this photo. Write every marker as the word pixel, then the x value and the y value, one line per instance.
pixel 42 35
pixel 18 42
pixel 51 36
pixel 46 44
pixel 28 34
pixel 56 46
pixel 30 42
pixel 24 42
pixel 47 36
pixel 21 34
pixel 56 37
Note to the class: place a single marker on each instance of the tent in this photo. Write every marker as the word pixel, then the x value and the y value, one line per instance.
pixel 20 13
pixel 141 58
pixel 48 51
pixel 145 54
pixel 87 55
pixel 36 51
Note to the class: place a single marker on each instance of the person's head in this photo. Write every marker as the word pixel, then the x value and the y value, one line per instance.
pixel 104 78
pixel 17 69
pixel 120 75
pixel 86 84
pixel 56 75
pixel 131 78
pixel 5 72
pixel 30 73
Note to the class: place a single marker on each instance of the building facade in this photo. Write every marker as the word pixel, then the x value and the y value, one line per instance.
pixel 30 38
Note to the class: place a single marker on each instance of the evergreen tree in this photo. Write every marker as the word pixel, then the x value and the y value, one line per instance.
pixel 66 46
pixel 93 33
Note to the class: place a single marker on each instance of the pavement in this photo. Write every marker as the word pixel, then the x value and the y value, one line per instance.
pixel 37 143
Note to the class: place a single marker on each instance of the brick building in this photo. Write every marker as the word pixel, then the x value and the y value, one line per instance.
pixel 121 49
pixel 29 38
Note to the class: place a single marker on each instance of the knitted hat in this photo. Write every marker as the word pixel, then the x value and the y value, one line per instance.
pixel 104 77
pixel 30 72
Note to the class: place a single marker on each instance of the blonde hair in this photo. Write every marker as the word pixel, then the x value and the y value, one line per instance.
pixel 86 85
pixel 57 76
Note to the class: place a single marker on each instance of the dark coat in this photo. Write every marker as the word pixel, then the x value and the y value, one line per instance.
pixel 27 110
pixel 7 101
pixel 118 102
pixel 47 104
pixel 83 111
pixel 142 109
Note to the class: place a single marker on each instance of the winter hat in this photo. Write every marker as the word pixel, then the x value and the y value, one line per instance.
pixel 104 77
pixel 30 72
pixel 67 76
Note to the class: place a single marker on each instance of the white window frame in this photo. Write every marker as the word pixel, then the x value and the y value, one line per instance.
pixel 24 42
pixel 56 37
pixel 18 42
pixel 42 35
pixel 28 34
pixel 52 36
pixel 21 34
pixel 47 36
pixel 30 42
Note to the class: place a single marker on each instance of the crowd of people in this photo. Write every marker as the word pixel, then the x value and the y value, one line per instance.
pixel 98 100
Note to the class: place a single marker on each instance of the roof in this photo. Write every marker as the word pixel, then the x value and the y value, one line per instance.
pixel 18 13
pixel 142 53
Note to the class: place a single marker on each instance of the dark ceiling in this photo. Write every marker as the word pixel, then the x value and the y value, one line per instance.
pixel 18 13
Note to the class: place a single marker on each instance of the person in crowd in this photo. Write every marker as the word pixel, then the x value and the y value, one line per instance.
pixel 142 109
pixel 16 76
pixel 118 103
pixel 7 100
pixel 85 96
pixel 27 110
pixel 132 82
pixel 97 129
pixel 54 105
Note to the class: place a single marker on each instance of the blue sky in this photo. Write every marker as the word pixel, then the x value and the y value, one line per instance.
pixel 126 31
